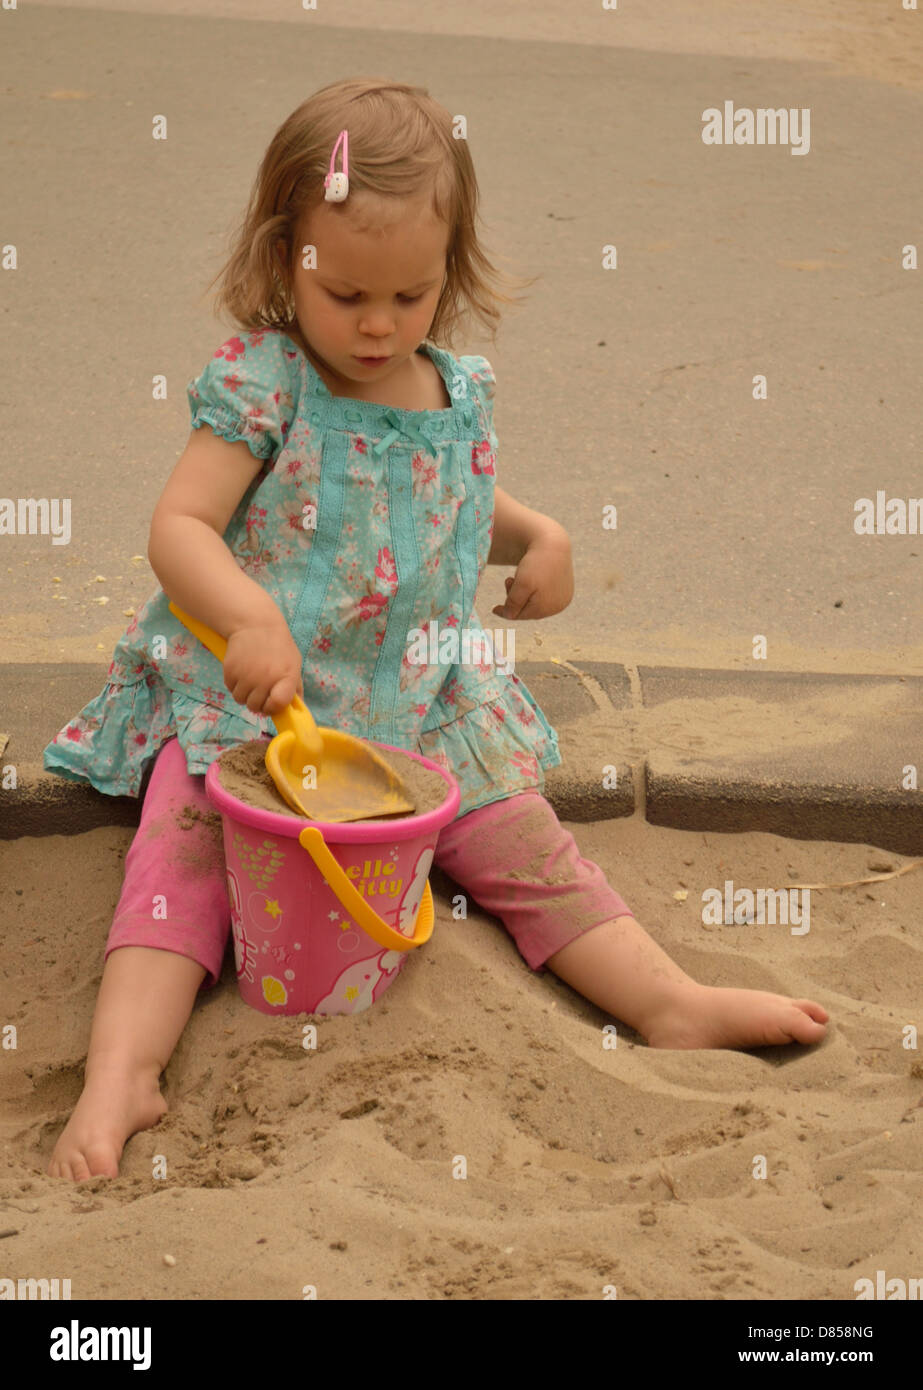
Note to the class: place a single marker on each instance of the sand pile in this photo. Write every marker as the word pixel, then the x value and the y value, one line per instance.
pixel 586 1165
pixel 243 774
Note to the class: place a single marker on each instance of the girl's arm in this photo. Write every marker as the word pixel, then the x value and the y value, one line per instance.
pixel 186 550
pixel 540 549
pixel 516 528
pixel 262 665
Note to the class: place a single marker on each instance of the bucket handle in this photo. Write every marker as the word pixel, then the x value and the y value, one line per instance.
pixel 378 929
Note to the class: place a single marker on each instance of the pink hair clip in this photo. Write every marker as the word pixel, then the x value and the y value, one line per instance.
pixel 337 185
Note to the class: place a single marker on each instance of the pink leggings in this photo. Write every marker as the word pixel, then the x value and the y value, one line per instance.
pixel 514 857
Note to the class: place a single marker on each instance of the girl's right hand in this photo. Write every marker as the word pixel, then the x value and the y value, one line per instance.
pixel 262 667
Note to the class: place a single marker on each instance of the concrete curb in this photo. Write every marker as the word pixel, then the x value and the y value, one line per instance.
pixel 848 789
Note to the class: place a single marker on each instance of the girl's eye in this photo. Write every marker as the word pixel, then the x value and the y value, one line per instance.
pixel 350 298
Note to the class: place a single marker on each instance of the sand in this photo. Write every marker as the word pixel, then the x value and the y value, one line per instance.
pixel 586 1166
pixel 243 774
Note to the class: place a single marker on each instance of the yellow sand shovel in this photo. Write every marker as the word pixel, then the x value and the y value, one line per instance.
pixel 352 782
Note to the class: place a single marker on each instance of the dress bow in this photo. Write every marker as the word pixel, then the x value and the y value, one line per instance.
pixel 399 427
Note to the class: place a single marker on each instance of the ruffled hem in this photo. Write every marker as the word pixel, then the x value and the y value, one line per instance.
pixel 114 738
pixel 498 748
pixel 495 750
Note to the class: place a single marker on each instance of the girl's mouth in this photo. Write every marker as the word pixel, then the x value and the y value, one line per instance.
pixel 372 361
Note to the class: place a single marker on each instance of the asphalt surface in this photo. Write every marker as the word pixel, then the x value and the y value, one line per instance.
pixel 631 387
pixel 628 387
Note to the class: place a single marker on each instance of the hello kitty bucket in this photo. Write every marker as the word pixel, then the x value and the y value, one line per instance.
pixel 324 916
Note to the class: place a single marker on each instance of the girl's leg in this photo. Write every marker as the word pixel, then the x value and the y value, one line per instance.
pixel 144 1003
pixel 521 865
pixel 168 937
pixel 618 966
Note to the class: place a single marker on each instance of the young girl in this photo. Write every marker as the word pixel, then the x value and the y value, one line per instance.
pixel 337 492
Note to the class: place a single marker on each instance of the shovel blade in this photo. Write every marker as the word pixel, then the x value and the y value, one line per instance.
pixel 353 783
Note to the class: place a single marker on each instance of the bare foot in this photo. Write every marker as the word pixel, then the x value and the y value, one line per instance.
pixel 705 1016
pixel 114 1105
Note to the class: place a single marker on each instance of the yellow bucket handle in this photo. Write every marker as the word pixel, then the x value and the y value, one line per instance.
pixel 313 841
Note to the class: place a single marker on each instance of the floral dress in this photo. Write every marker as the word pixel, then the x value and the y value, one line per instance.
pixel 370 528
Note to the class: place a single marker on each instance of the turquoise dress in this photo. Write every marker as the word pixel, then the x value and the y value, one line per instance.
pixel 370 528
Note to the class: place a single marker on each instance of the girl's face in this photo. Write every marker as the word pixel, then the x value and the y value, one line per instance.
pixel 373 293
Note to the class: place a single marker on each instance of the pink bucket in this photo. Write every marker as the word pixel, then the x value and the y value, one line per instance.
pixel 324 916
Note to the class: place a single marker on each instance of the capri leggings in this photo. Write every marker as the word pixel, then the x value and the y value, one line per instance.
pixel 513 857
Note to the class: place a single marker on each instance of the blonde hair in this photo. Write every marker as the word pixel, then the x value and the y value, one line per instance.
pixel 401 145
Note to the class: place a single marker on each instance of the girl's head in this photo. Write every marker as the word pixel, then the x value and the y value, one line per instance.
pixel 398 261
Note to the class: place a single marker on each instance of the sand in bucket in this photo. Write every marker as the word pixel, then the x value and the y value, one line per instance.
pixel 296 946
pixel 244 775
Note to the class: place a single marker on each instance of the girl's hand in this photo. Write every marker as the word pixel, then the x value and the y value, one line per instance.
pixel 262 667
pixel 544 580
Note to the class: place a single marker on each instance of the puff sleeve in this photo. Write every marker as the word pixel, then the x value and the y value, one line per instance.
pixel 247 392
pixel 483 386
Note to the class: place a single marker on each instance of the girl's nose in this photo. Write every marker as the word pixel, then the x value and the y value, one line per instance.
pixel 377 323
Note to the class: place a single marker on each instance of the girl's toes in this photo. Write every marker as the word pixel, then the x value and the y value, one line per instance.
pixel 803 1022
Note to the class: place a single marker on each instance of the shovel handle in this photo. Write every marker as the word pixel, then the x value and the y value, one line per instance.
pixel 209 638
pixel 378 929
pixel 286 718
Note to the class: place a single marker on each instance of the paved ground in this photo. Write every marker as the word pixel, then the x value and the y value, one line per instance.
pixel 631 387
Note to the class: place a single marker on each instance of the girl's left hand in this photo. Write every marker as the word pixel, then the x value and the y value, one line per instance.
pixel 544 580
